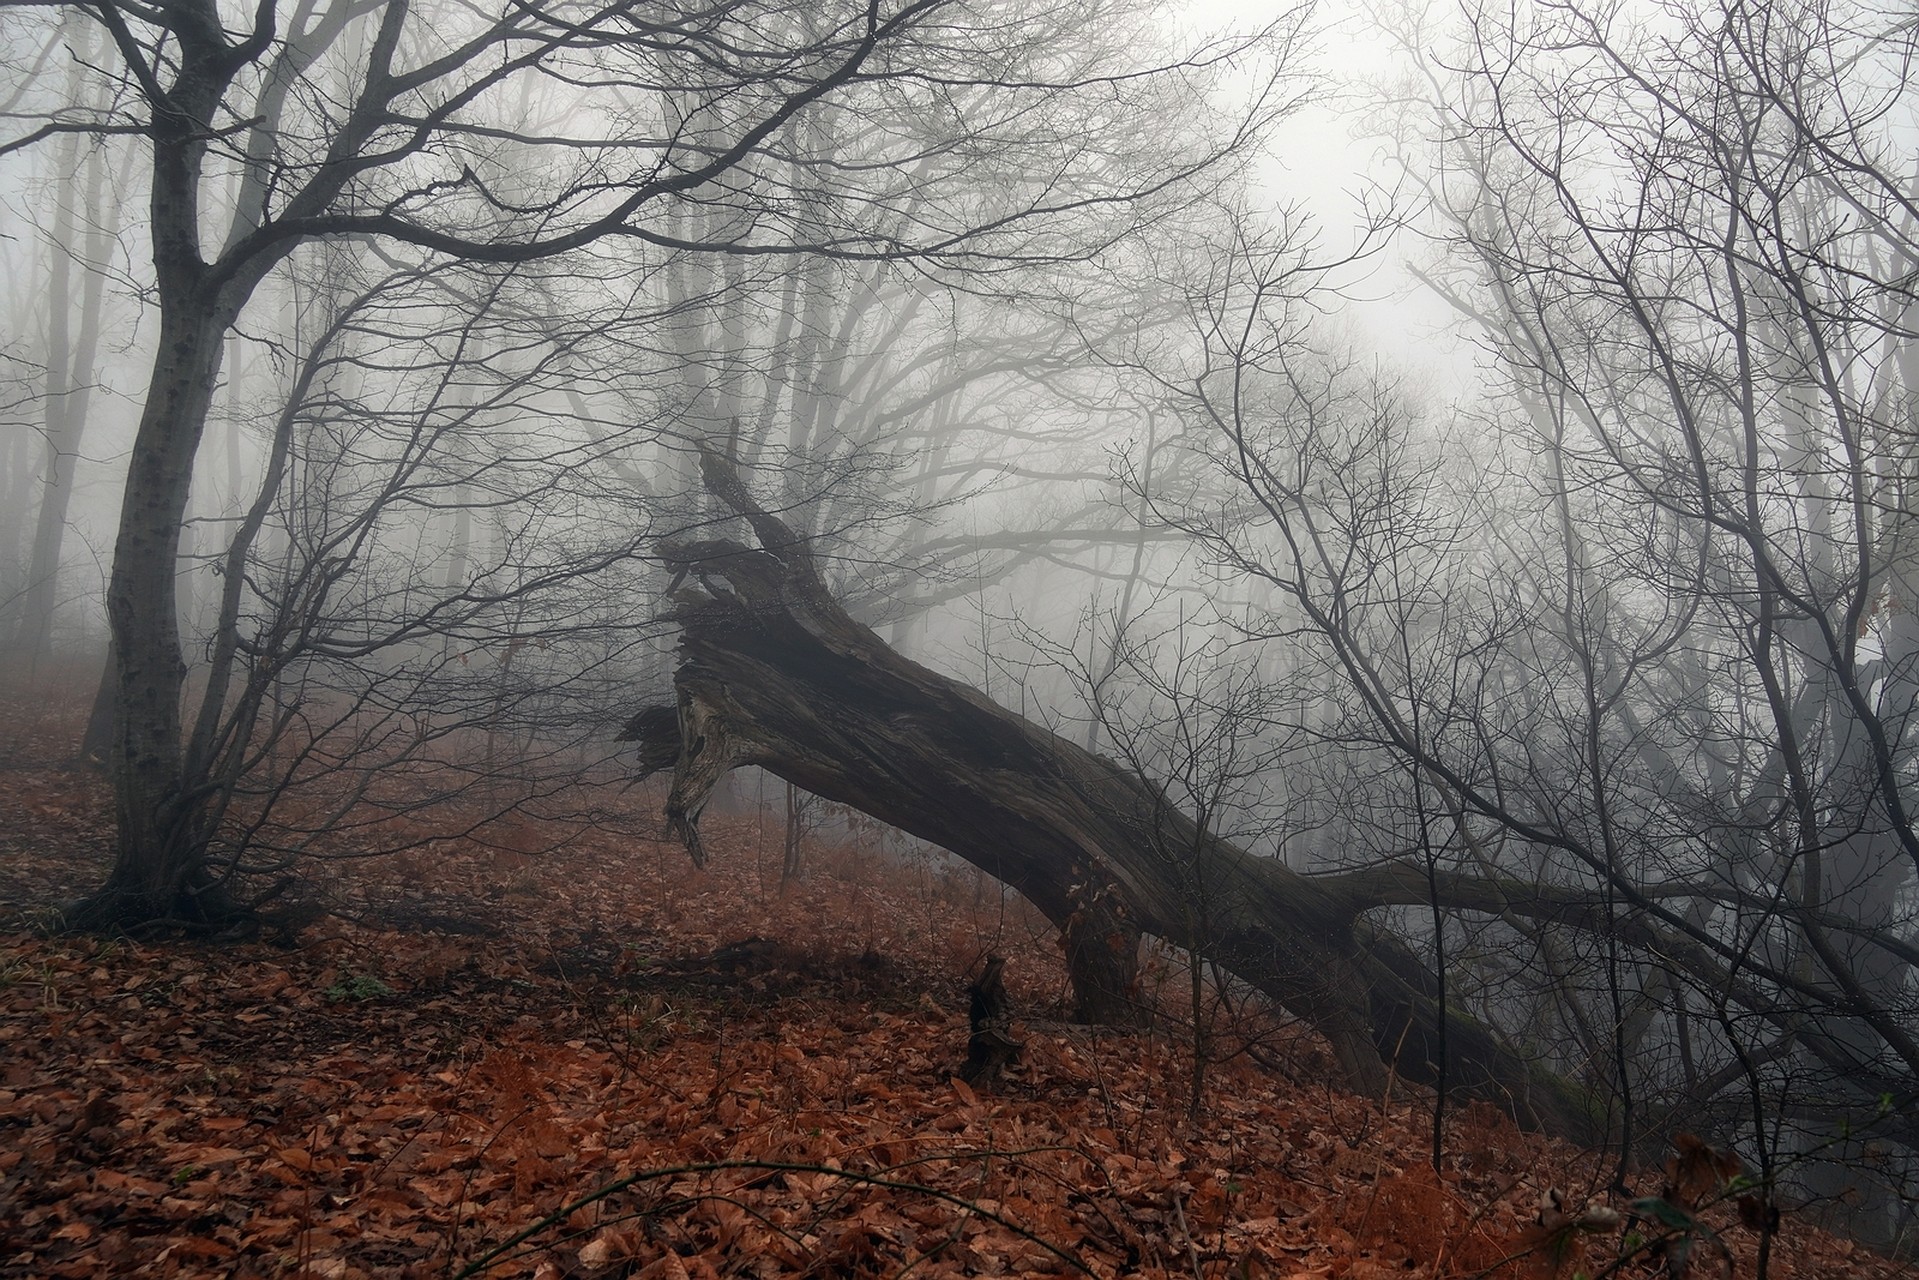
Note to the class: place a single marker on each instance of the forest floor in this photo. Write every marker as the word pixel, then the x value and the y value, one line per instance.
pixel 599 1061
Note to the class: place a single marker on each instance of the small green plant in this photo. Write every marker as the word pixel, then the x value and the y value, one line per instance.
pixel 649 1020
pixel 358 987
pixel 17 971
pixel 220 1080
pixel 13 971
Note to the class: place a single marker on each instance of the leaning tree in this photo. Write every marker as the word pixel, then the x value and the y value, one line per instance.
pixel 773 672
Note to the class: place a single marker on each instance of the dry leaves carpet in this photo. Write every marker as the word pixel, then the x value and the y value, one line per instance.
pixel 601 1062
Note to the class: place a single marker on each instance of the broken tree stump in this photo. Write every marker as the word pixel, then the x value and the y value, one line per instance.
pixel 990 1047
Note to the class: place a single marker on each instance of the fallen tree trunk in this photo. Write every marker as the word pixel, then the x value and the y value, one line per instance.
pixel 773 673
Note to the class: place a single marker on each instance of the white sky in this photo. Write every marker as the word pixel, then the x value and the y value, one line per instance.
pixel 1325 163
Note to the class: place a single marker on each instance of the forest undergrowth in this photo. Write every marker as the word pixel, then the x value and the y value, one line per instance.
pixel 597 1061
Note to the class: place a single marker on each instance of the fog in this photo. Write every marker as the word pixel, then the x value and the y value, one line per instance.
pixel 1468 449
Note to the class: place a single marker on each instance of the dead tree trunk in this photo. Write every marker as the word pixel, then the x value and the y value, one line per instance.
pixel 772 672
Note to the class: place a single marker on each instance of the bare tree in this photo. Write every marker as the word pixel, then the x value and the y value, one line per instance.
pixel 1657 682
pixel 519 135
pixel 432 581
pixel 79 190
pixel 1171 699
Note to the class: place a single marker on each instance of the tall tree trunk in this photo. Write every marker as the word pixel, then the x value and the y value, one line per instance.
pixel 17 476
pixel 158 872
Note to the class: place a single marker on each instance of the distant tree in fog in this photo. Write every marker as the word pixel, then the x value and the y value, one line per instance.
pixel 529 134
pixel 70 301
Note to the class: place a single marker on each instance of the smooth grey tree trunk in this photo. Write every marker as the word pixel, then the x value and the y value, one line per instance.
pixel 159 874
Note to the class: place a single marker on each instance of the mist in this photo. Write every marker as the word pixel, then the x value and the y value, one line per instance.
pixel 1408 508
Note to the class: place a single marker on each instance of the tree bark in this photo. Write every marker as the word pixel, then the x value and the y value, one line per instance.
pixel 158 873
pixel 772 672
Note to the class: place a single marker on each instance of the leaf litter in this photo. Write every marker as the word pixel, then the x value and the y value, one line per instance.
pixel 599 1062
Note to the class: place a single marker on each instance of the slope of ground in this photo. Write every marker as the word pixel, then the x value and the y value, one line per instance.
pixel 600 1062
